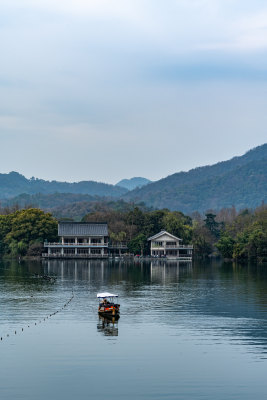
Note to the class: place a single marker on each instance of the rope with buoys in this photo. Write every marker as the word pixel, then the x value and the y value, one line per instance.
pixel 40 321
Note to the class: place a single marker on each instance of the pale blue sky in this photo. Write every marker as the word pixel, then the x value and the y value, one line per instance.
pixel 110 89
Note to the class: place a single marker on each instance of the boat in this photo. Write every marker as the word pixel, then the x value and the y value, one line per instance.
pixel 107 306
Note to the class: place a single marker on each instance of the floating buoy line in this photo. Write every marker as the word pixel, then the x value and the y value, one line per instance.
pixel 41 320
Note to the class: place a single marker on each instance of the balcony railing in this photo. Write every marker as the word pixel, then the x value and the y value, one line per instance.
pixel 59 244
pixel 180 246
pixel 118 246
pixel 59 255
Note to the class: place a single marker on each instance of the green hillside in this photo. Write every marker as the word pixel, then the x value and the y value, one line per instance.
pixel 241 181
pixel 14 184
pixel 66 205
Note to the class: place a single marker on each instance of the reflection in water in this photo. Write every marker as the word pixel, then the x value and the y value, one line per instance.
pixel 108 326
pixel 186 330
pixel 167 271
pixel 226 299
pixel 160 270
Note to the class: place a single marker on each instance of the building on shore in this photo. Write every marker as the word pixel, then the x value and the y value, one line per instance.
pixel 82 240
pixel 163 244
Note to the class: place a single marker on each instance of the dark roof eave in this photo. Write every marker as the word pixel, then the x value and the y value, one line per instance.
pixel 82 229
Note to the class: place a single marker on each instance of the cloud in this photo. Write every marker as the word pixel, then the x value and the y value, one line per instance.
pixel 245 34
pixel 173 27
pixel 132 80
pixel 82 8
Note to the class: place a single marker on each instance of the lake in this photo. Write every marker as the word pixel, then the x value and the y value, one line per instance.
pixel 186 331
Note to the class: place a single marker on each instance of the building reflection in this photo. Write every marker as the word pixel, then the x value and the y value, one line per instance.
pixel 166 271
pixel 108 326
pixel 229 299
pixel 158 270
pixel 75 269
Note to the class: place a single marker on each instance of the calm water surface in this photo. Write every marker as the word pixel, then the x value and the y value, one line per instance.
pixel 186 331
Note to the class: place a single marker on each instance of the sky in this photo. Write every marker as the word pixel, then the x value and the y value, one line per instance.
pixel 110 89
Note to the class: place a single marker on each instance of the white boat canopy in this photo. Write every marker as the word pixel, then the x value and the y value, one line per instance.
pixel 106 294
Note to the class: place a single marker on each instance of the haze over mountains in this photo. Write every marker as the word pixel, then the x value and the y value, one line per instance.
pixel 241 181
pixel 14 184
pixel 133 183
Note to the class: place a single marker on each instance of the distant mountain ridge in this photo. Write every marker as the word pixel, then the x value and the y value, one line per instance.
pixel 14 184
pixel 133 183
pixel 241 181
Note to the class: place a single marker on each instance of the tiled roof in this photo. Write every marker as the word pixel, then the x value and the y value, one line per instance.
pixel 158 235
pixel 82 229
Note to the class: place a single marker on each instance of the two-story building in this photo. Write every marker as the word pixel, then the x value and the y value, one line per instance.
pixel 164 244
pixel 90 240
pixel 79 240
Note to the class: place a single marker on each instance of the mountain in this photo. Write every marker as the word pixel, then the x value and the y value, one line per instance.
pixel 49 201
pixel 241 181
pixel 133 183
pixel 14 184
pixel 67 205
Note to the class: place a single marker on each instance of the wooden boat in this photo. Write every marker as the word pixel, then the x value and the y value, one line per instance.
pixel 107 306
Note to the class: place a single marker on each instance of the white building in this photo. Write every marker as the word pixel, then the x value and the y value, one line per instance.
pixel 77 239
pixel 164 244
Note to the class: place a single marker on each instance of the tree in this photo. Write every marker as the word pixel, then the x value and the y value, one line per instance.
pixel 153 222
pixel 117 237
pixel 5 227
pixel 226 245
pixel 251 243
pixel 135 218
pixel 212 225
pixel 202 240
pixel 35 249
pixel 28 227
pixel 176 224
pixel 138 244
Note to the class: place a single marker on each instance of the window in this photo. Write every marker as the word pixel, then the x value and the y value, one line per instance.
pixel 56 251
pixel 82 251
pixel 69 251
pixel 96 240
pixel 96 251
pixel 157 244
pixel 69 240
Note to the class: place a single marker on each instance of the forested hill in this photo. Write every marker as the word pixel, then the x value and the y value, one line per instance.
pixel 241 181
pixel 13 184
pixel 66 205
pixel 133 183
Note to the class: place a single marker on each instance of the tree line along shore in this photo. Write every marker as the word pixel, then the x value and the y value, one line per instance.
pixel 239 235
